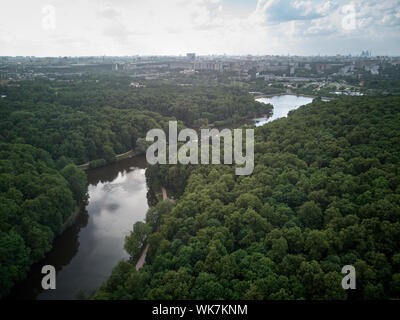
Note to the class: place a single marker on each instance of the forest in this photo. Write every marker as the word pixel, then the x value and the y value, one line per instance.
pixel 49 127
pixel 36 202
pixel 325 193
pixel 85 120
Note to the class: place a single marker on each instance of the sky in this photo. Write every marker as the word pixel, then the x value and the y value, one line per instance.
pixel 175 27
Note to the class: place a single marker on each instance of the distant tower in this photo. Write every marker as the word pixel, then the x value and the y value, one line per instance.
pixel 191 56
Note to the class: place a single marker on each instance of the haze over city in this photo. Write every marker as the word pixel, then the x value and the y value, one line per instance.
pixel 122 27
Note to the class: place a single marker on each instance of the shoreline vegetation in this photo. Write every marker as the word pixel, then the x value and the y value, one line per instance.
pixel 270 95
pixel 47 129
pixel 72 218
pixel 41 201
pixel 97 163
pixel 102 163
pixel 324 193
pixel 71 124
pixel 142 259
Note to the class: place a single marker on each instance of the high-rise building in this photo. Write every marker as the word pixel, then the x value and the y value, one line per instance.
pixel 365 54
pixel 191 56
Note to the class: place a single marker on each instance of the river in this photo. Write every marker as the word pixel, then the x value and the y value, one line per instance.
pixel 86 252
pixel 282 105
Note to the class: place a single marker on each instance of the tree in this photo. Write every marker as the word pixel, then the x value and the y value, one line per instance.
pixel 76 179
pixel 136 240
pixel 14 260
pixel 154 214
pixel 310 215
pixel 316 244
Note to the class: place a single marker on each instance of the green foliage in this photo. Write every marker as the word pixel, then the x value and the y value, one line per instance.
pixel 324 193
pixel 310 215
pixel 36 201
pixel 325 190
pixel 154 214
pixel 135 241
pixel 14 260
pixel 76 179
pixel 90 120
pixel 97 163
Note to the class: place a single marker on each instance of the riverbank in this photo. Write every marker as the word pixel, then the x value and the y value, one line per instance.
pixel 142 258
pixel 72 218
pixel 94 233
pixel 289 94
pixel 125 155
pixel 282 104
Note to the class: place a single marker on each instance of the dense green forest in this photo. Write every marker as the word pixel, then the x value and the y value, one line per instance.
pixel 36 201
pixel 325 193
pixel 46 127
pixel 88 120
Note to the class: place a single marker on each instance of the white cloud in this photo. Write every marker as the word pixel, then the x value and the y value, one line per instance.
pixel 121 27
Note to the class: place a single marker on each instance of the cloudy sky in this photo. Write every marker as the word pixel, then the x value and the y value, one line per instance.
pixel 165 27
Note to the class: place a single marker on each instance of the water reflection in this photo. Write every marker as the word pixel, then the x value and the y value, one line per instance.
pixel 282 105
pixel 85 253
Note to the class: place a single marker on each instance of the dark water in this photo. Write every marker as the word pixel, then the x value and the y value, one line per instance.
pixel 85 253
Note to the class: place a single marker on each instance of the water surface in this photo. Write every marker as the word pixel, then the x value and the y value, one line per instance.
pixel 85 253
pixel 282 105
